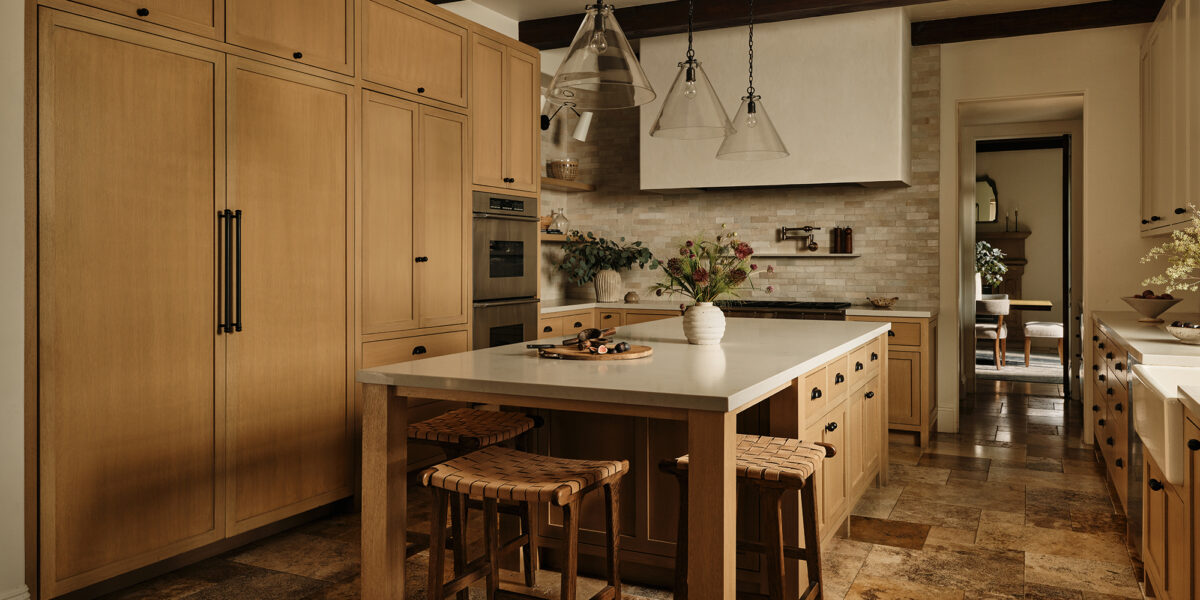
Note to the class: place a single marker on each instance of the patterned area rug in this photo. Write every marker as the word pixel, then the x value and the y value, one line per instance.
pixel 1043 367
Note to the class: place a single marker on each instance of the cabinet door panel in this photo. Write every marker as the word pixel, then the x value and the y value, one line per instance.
pixel 1162 107
pixel 904 387
pixel 201 17
pixel 288 376
pixel 487 106
pixel 834 469
pixel 522 138
pixel 855 440
pixel 1155 524
pixel 442 236
pixel 872 428
pixel 1192 475
pixel 414 51
pixel 130 413
pixel 389 136
pixel 319 30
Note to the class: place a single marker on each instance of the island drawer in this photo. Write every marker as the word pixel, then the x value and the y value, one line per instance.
pixel 838 372
pixel 386 352
pixel 550 327
pixel 610 319
pixel 864 362
pixel 816 390
pixel 573 324
pixel 904 334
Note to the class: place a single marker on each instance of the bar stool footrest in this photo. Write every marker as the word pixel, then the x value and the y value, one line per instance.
pixel 795 552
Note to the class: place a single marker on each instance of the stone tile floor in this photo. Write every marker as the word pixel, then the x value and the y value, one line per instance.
pixel 1012 506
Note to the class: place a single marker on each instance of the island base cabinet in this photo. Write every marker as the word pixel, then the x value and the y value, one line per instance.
pixel 1192 498
pixel 911 383
pixel 1165 543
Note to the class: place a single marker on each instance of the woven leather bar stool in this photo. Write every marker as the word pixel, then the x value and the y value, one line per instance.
pixel 498 474
pixel 458 432
pixel 774 466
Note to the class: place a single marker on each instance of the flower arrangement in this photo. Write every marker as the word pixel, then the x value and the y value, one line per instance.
pixel 706 270
pixel 989 263
pixel 1183 258
pixel 586 255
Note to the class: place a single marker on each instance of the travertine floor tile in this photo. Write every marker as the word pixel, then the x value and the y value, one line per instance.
pixel 1087 575
pixel 946 538
pixel 978 569
pixel 878 502
pixel 888 532
pixel 1002 533
pixel 878 588
pixel 936 513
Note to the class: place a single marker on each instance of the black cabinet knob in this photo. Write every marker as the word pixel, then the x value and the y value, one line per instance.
pixel 816 393
pixel 419 350
pixel 297 55
pixel 1109 441
pixel 1100 422
pixel 891 333
pixel 1109 356
pixel 1119 407
pixel 1180 211
pixel 420 90
pixel 547 329
pixel 1101 377
pixel 578 324
pixel 143 12
pixel 1100 345
pixel 1095 408
pixel 831 426
pixel 1119 366
pixel 1095 367
pixel 1156 218
pixel 1193 445
pixel 608 316
pixel 1120 463
pixel 1155 484
pixel 872 395
pixel 1145 222
pixel 858 366
pixel 874 356
pixel 1095 338
pixel 1109 391
pixel 839 378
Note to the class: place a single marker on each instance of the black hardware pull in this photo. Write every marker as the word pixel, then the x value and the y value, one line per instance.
pixel 1109 391
pixel 1119 407
pixel 237 320
pixel 608 316
pixel 869 395
pixel 839 378
pixel 858 366
pixel 421 259
pixel 1095 408
pixel 891 333
pixel 1100 422
pixel 1101 377
pixel 1095 338
pixel 1120 463
pixel 1109 356
pixel 1155 485
pixel 1156 218
pixel 1109 441
pixel 222 286
pixel 1193 445
pixel 297 55
pixel 816 393
pixel 1145 222
pixel 228 271
pixel 578 324
pixel 143 12
pixel 420 90
pixel 1119 366
pixel 419 350
pixel 874 356
pixel 1180 211
pixel 547 329
pixel 1095 367
pixel 1100 345
pixel 831 426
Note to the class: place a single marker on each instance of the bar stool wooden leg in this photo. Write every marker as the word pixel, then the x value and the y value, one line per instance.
pixel 772 516
pixel 681 540
pixel 491 539
pixel 812 542
pixel 612 517
pixel 531 548
pixel 1028 345
pixel 437 543
pixel 570 549
pixel 458 529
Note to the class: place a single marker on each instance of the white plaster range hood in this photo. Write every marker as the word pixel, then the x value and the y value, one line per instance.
pixel 836 87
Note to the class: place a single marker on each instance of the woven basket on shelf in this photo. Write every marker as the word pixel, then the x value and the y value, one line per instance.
pixel 567 169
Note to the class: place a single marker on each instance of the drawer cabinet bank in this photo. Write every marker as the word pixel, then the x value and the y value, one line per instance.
pixel 843 402
pixel 911 365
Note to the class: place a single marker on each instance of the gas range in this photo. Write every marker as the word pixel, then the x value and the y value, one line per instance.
pixel 784 309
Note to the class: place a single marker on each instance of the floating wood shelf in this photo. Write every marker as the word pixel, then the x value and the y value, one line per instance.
pixel 551 238
pixel 807 255
pixel 562 185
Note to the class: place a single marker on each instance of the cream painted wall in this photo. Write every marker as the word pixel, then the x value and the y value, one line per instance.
pixel 1103 65
pixel 484 16
pixel 12 311
pixel 1030 181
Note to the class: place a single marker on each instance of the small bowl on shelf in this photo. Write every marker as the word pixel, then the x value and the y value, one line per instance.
pixel 1188 333
pixel 883 302
pixel 1150 308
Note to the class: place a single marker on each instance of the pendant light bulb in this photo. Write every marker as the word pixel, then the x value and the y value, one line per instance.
pixel 754 136
pixel 600 70
pixel 599 42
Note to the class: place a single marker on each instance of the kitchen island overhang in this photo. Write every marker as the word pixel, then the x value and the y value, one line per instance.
pixel 703 386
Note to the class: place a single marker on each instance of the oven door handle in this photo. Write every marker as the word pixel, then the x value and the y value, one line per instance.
pixel 505 302
pixel 504 217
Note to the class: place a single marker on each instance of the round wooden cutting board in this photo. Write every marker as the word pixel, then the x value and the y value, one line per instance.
pixel 572 353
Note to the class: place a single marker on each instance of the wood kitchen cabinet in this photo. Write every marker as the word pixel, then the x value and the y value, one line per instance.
pixel 130 376
pixel 1165 543
pixel 1191 491
pixel 314 32
pixel 289 367
pixel 201 17
pixel 443 218
pixel 911 385
pixel 414 51
pixel 505 84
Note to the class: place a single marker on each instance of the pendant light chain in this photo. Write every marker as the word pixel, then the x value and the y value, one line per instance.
pixel 750 87
pixel 691 54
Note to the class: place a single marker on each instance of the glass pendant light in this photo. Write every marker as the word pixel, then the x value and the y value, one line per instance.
pixel 600 71
pixel 692 110
pixel 754 136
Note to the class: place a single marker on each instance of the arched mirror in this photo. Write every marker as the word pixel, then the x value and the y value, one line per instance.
pixel 987 209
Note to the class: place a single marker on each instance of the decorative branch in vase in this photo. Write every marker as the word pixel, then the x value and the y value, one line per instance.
pixel 704 271
pixel 589 259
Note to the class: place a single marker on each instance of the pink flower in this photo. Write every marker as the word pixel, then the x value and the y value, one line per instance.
pixel 770 289
pixel 689 243
pixel 683 251
pixel 743 250
pixel 753 267
pixel 737 276
pixel 770 268
pixel 700 275
pixel 682 306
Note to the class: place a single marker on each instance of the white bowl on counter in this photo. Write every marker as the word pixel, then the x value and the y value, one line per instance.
pixel 1187 335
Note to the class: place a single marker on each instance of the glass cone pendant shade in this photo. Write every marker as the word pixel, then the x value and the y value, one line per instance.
pixel 600 71
pixel 692 110
pixel 754 136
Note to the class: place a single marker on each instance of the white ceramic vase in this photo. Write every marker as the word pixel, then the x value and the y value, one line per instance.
pixel 608 286
pixel 704 324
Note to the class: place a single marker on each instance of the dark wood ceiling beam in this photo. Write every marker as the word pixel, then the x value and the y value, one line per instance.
pixel 667 18
pixel 1029 22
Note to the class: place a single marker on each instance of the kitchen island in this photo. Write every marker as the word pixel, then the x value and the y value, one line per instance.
pixel 795 373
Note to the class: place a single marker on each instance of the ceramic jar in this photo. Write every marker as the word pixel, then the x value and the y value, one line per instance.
pixel 704 324
pixel 608 286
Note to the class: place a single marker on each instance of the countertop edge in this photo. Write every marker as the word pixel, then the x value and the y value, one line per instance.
pixel 853 311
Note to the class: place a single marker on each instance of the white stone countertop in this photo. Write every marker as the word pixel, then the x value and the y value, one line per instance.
pixel 1189 396
pixel 755 357
pixel 912 309
pixel 1149 343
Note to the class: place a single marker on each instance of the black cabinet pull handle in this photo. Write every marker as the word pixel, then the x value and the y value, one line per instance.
pixel 1100 345
pixel 222 264
pixel 1145 222
pixel 1120 463
pixel 839 378
pixel 577 324
pixel 237 319
pixel 1193 445
pixel 297 55
pixel 419 350
pixel 891 333
pixel 1095 367
pixel 1095 338
pixel 816 393
pixel 1109 391
pixel 869 395
pixel 228 271
pixel 1180 211
pixel 420 90
pixel 1119 366
pixel 1156 218
pixel 1101 377
pixel 421 259
pixel 547 329
pixel 1095 408
pixel 831 426
pixel 608 316
pixel 143 12
pixel 1155 485
pixel 858 366
pixel 1119 407
pixel 874 356
pixel 1109 356
pixel 1100 422
pixel 1109 441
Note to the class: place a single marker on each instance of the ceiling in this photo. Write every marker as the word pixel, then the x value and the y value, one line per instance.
pixel 525 10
